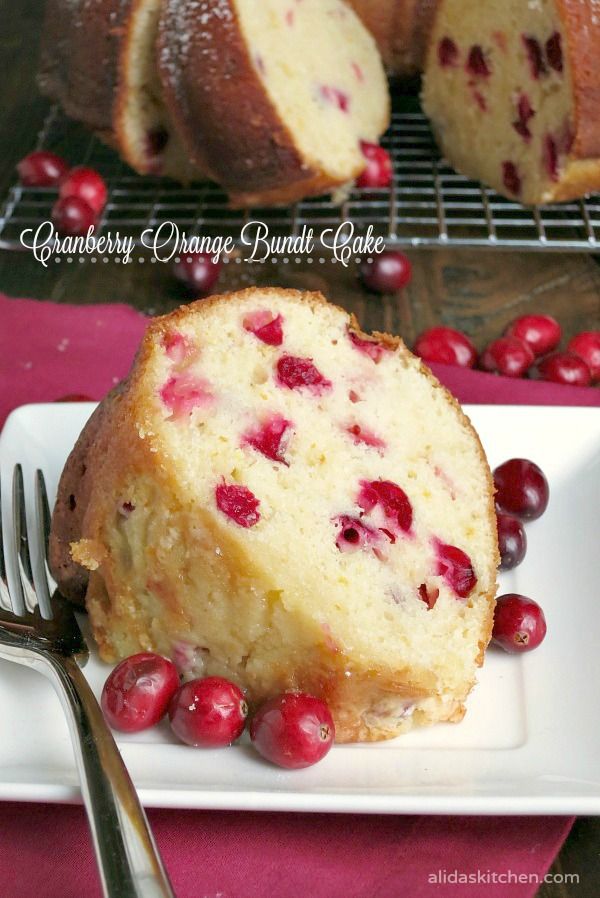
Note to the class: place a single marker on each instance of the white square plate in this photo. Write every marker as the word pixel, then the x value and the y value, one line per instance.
pixel 529 744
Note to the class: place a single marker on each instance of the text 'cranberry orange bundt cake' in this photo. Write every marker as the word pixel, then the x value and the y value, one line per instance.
pixel 513 92
pixel 276 497
pixel 98 62
pixel 401 29
pixel 272 98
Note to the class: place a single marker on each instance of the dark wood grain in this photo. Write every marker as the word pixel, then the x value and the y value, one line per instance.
pixel 476 291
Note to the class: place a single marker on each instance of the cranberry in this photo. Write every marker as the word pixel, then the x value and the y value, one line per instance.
pixel 511 178
pixel 87 185
pixel 42 169
pixel 477 63
pixel 507 356
pixel 293 730
pixel 266 326
pixel 378 170
pixel 535 55
pixel 512 541
pixel 373 348
pixel 550 153
pixel 446 345
pixel 565 368
pixel 541 333
pixel 209 713
pixel 386 273
pixel 336 97
pixel 447 52
pixel 393 500
pixel 456 568
pixel 75 397
pixel 362 435
pixel 238 503
pixel 198 272
pixel 184 392
pixel 525 113
pixel 587 346
pixel 429 595
pixel 73 217
pixel 177 347
pixel 269 438
pixel 519 623
pixel 554 52
pixel 353 534
pixel 137 693
pixel 521 489
pixel 295 373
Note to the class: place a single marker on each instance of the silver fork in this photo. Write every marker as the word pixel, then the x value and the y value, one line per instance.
pixel 41 631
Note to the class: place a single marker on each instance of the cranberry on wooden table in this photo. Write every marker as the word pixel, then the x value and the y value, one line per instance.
pixel 73 217
pixel 519 623
pixel 293 730
pixel 137 693
pixel 386 273
pixel 541 333
pixel 565 368
pixel 198 272
pixel 378 170
pixel 208 713
pixel 587 346
pixel 512 541
pixel 507 356
pixel 521 489
pixel 86 184
pixel 447 346
pixel 41 169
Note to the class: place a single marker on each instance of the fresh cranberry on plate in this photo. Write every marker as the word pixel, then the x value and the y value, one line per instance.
pixel 73 217
pixel 386 273
pixel 519 623
pixel 507 356
pixel 87 185
pixel 293 730
pixel 447 346
pixel 198 272
pixel 41 169
pixel 137 693
pixel 541 333
pixel 378 170
pixel 521 489
pixel 512 541
pixel 565 368
pixel 209 712
pixel 587 346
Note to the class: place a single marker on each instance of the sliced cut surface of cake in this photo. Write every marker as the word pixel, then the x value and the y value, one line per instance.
pixel 98 62
pixel 273 98
pixel 512 90
pixel 276 497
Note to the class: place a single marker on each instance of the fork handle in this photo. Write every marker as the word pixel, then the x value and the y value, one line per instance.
pixel 128 859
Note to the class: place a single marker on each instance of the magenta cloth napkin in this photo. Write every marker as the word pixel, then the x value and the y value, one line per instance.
pixel 49 350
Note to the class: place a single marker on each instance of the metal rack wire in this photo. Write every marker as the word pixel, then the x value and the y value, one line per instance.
pixel 428 205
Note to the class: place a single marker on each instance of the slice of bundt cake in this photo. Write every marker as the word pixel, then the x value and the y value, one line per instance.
pixel 401 29
pixel 513 92
pixel 278 498
pixel 272 98
pixel 98 62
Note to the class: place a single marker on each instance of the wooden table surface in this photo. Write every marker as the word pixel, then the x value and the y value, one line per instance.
pixel 477 291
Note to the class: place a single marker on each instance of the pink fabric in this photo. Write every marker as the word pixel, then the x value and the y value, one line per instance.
pixel 49 350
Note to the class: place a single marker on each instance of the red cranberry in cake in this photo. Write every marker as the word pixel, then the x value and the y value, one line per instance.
pixel 448 52
pixel 42 169
pixel 296 373
pixel 266 326
pixel 511 177
pixel 198 272
pixel 554 53
pixel 182 393
pixel 335 96
pixel 270 438
pixel 477 63
pixel 521 489
pixel 373 348
pixel 390 498
pixel 587 346
pixel 525 113
pixel 565 368
pixel 519 623
pixel 354 534
pixel 429 595
pixel 386 273
pixel 541 333
pixel 73 217
pixel 86 184
pixel 362 435
pixel 378 171
pixel 535 55
pixel 507 356
pixel 455 567
pixel 177 347
pixel 550 157
pixel 238 503
pixel 446 346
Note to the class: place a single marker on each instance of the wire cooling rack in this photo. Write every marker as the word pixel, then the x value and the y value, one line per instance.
pixel 428 205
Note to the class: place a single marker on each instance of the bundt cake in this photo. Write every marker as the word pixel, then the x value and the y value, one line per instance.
pixel 278 498
pixel 272 98
pixel 98 62
pixel 401 29
pixel 513 92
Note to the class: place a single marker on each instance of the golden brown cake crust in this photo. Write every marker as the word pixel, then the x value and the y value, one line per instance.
pixel 401 29
pixel 582 32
